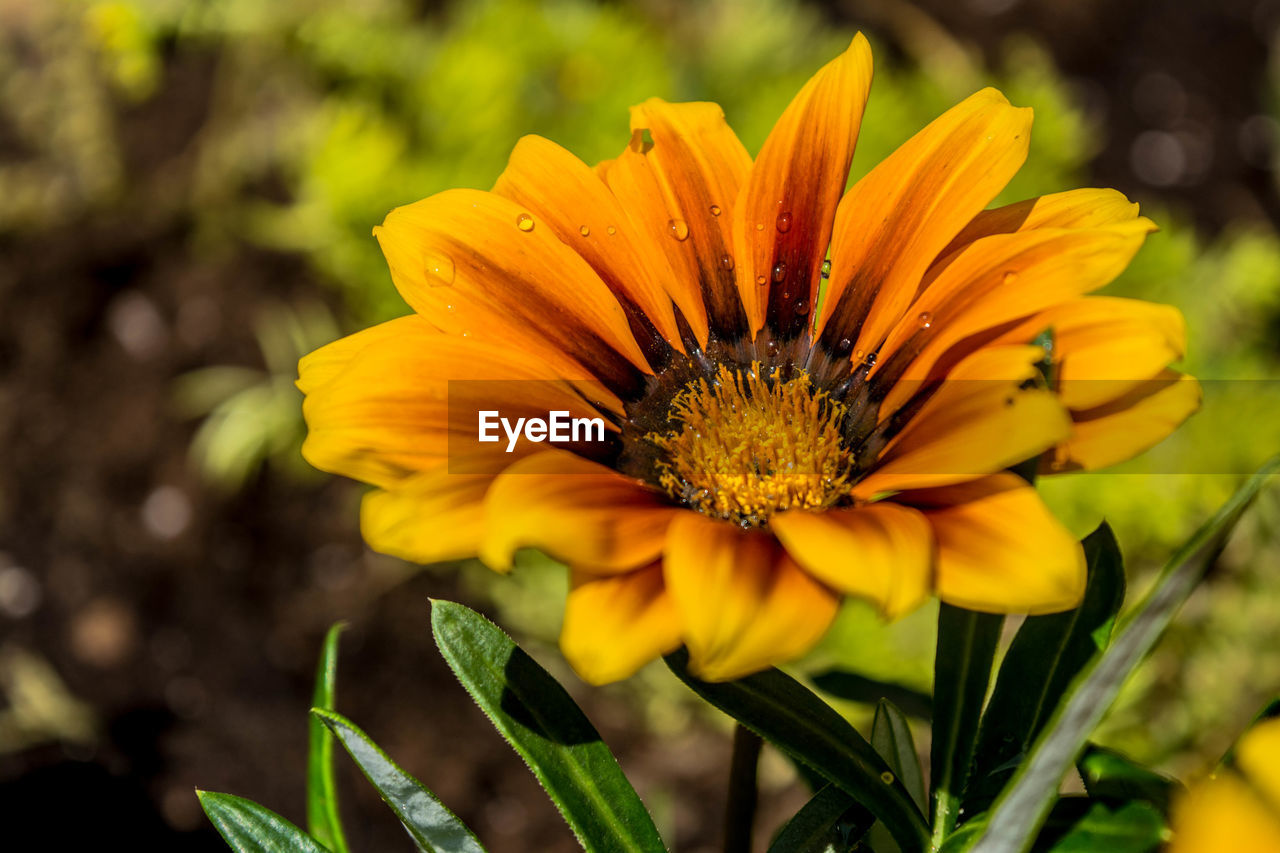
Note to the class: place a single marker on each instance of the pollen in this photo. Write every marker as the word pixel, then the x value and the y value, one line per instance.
pixel 749 445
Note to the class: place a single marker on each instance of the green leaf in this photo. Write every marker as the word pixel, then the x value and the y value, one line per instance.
pixel 859 688
pixel 323 819
pixel 788 715
pixel 1109 775
pixel 891 737
pixel 1046 654
pixel 1021 809
pixel 250 828
pixel 1082 825
pixel 542 723
pixel 961 673
pixel 433 828
pixel 831 822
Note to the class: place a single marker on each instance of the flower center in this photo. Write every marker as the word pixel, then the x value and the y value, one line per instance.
pixel 750 445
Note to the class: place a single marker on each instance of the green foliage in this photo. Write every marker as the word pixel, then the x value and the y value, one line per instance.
pixel 323 819
pixel 250 828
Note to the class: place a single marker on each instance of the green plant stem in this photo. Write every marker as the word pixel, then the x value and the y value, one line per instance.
pixel 740 813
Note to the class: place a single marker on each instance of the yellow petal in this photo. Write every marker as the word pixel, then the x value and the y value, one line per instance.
pixel 880 552
pixel 1081 208
pixel 615 625
pixel 744 604
pixel 979 420
pixel 576 511
pixel 1127 425
pixel 429 518
pixel 1224 815
pixel 1000 550
pixel 477 264
pixel 558 188
pixel 403 399
pixel 1258 759
pixel 1004 278
pixel 894 221
pixel 783 219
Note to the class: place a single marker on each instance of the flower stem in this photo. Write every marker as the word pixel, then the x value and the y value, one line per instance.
pixel 740 813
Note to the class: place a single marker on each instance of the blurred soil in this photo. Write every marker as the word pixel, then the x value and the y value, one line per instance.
pixel 188 620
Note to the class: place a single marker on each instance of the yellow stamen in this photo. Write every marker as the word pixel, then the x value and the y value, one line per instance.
pixel 751 446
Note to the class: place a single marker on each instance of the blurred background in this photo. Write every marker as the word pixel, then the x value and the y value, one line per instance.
pixel 186 196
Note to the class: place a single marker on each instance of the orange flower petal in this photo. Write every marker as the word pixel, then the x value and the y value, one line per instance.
pixel 744 603
pixel 881 552
pixel 1001 279
pixel 892 224
pixel 680 192
pixel 576 511
pixel 1103 346
pixel 388 404
pixel 1126 426
pixel 1000 550
pixel 1080 209
pixel 558 188
pixel 782 221
pixel 979 421
pixel 429 518
pixel 477 264
pixel 615 625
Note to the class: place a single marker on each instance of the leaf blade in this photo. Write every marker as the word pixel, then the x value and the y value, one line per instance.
pixel 891 737
pixel 831 820
pixel 544 725
pixel 248 827
pixel 323 819
pixel 1022 807
pixel 431 825
pixel 792 718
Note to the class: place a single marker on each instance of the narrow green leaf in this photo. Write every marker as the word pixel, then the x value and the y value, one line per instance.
pixel 1021 809
pixel 1080 825
pixel 323 819
pixel 433 828
pixel 859 688
pixel 1109 775
pixel 961 673
pixel 1046 654
pixel 788 715
pixel 891 737
pixel 250 828
pixel 542 723
pixel 831 822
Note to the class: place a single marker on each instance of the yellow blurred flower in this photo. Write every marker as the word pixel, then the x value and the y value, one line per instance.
pixel 808 393
pixel 1237 811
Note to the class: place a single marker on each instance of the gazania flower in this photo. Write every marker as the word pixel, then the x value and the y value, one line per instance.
pixel 1238 810
pixel 808 393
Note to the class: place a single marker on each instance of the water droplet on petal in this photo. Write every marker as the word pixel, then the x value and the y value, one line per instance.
pixel 679 229
pixel 584 231
pixel 524 222
pixel 759 226
pixel 779 271
pixel 784 222
pixel 871 359
pixel 761 280
pixel 772 347
pixel 845 345
pixel 715 210
pixel 926 319
pixel 611 230
pixel 859 355
pixel 440 271
pixel 802 307
pixel 1010 276
pixel 826 269
pixel 726 262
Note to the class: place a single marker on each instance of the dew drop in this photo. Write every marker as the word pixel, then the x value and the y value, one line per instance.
pixel 679 229
pixel 802 307
pixel 584 231
pixel 524 222
pixel 858 356
pixel 611 230
pixel 779 271
pixel 715 210
pixel 771 347
pixel 926 320
pixel 759 226
pixel 845 345
pixel 826 269
pixel 440 271
pixel 871 359
pixel 784 222
pixel 761 280
pixel 886 777
pixel 726 262
pixel 1010 276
